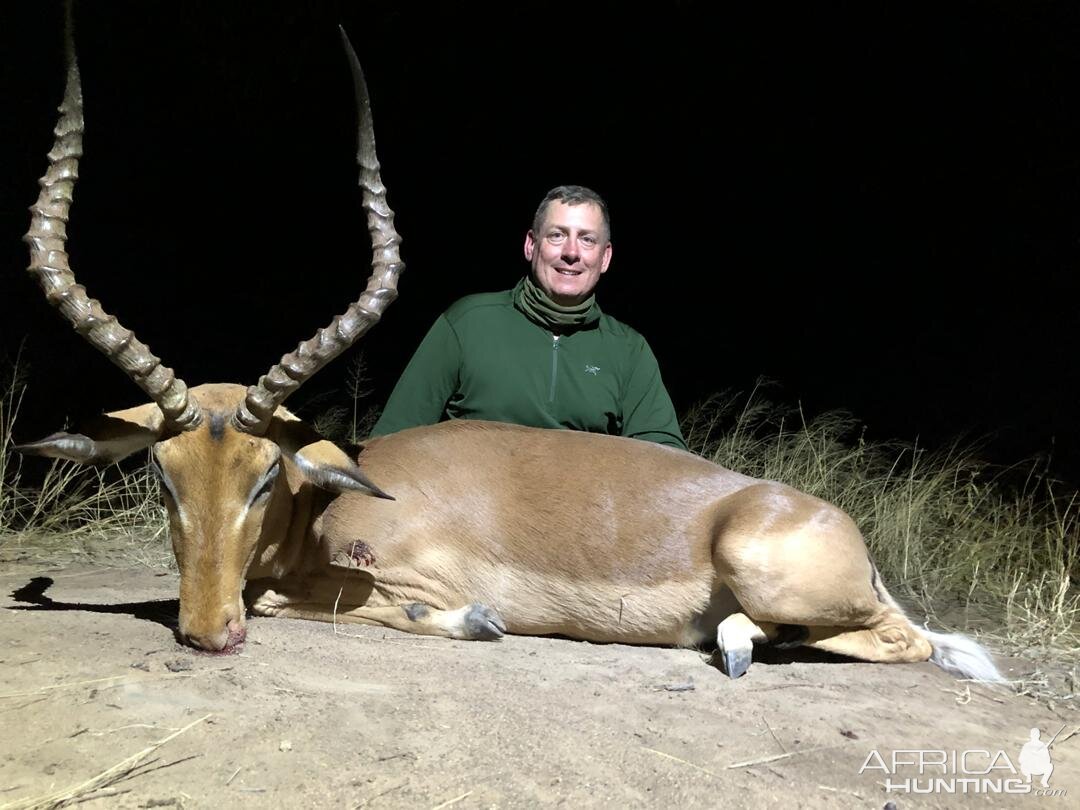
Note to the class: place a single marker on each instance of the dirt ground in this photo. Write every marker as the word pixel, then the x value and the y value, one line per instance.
pixel 366 717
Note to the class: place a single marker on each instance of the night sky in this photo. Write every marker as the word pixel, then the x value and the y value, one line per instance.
pixel 876 207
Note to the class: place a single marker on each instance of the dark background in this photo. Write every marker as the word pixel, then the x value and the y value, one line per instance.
pixel 876 206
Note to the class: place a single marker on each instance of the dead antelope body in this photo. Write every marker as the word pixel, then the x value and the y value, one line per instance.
pixel 490 529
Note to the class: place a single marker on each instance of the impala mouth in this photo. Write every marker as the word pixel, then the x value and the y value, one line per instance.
pixel 228 649
pixel 234 642
pixel 233 645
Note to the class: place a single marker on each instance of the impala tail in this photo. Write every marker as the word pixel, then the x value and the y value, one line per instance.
pixel 955 653
pixel 960 656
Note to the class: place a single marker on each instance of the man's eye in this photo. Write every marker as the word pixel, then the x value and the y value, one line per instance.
pixel 556 236
pixel 589 240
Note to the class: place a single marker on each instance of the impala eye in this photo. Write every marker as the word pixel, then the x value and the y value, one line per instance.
pixel 267 484
pixel 163 480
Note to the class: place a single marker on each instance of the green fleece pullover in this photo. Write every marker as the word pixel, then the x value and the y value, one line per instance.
pixel 483 359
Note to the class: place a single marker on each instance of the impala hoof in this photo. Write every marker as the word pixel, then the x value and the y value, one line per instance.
pixel 734 663
pixel 483 624
pixel 735 646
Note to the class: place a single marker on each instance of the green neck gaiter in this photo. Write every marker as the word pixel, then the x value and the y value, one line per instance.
pixel 540 309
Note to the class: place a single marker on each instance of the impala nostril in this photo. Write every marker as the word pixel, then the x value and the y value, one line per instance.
pixel 237 633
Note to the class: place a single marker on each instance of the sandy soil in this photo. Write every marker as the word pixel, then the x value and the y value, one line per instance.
pixel 367 717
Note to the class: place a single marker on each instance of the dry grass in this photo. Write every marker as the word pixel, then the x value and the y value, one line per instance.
pixel 77 513
pixel 103 784
pixel 342 415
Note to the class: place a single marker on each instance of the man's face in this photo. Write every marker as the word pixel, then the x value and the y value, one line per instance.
pixel 570 253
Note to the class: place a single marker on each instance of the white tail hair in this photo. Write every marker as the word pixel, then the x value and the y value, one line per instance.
pixel 963 657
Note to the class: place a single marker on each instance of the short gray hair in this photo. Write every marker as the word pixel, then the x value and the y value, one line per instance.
pixel 571 195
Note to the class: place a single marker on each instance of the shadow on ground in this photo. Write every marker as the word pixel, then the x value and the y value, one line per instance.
pixel 161 611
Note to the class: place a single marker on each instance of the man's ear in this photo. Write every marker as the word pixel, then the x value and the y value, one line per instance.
pixel 319 460
pixel 606 259
pixel 105 439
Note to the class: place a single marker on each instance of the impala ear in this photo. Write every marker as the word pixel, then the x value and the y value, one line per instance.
pixel 105 439
pixel 320 461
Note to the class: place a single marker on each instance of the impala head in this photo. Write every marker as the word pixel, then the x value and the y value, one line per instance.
pixel 229 493
pixel 230 460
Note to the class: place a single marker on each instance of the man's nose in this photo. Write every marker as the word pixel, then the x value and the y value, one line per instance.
pixel 570 251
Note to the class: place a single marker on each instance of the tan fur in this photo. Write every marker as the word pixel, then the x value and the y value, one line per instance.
pixel 628 543
pixel 594 537
pixel 214 534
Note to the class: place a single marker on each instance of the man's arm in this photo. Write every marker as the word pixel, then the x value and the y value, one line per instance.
pixel 426 385
pixel 647 410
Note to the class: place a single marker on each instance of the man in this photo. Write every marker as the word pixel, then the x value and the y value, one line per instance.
pixel 541 354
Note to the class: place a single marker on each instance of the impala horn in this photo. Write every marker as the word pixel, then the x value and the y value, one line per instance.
pixel 49 263
pixel 297 367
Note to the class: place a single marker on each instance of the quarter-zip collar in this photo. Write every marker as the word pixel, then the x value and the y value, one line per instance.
pixel 535 305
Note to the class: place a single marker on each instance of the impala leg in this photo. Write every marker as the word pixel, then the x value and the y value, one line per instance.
pixel 735 639
pixel 348 602
pixel 474 622
pixel 794 560
pixel 867 628
pixel 892 639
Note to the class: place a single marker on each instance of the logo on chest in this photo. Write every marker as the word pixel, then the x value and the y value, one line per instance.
pixel 593 370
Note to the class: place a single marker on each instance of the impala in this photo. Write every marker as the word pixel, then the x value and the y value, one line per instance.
pixel 473 529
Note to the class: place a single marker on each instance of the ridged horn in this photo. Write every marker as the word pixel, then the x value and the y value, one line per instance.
pixel 297 367
pixel 49 263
